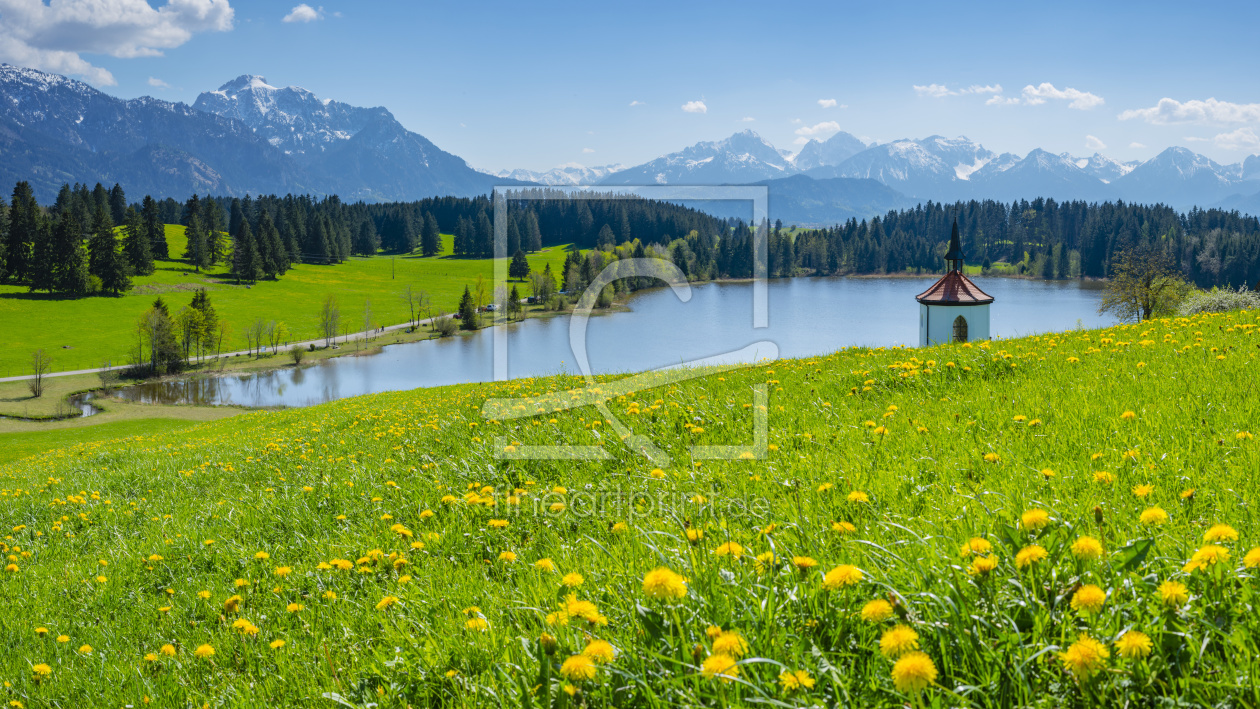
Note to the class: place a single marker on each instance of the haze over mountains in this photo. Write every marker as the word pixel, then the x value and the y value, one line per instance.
pixel 249 136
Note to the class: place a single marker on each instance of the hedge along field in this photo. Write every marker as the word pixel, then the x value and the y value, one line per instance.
pixel 1058 520
pixel 100 328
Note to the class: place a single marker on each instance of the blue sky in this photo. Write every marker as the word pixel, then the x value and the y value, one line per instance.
pixel 537 84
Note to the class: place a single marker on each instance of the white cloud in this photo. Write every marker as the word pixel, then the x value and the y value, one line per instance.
pixel 747 119
pixel 695 107
pixel 827 102
pixel 999 100
pixel 941 90
pixel 825 129
pixel 304 13
pixel 1169 111
pixel 934 90
pixel 588 150
pixel 158 83
pixel 636 103
pixel 1092 143
pixel 1136 144
pixel 801 141
pixel 50 37
pixel 1241 139
pixel 1081 100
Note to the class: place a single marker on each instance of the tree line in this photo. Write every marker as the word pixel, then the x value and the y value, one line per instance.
pixel 1042 238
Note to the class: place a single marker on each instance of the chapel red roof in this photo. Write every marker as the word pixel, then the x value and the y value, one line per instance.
pixel 954 289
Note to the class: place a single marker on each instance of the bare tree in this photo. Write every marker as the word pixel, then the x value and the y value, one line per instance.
pixel 225 329
pixel 275 335
pixel 367 319
pixel 1144 282
pixel 408 296
pixel 330 319
pixel 40 364
pixel 108 376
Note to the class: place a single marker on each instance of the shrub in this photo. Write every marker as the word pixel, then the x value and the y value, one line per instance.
pixel 297 353
pixel 446 326
pixel 1219 300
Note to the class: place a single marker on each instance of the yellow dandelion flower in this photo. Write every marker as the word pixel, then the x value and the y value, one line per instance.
pixel 1088 599
pixel 730 643
pixel 1134 645
pixel 804 563
pixel 1173 594
pixel 858 496
pixel 1035 519
pixel 601 651
pixel 1153 517
pixel 722 667
pixel 168 650
pixel 478 624
pixel 791 681
pixel 975 545
pixel 1206 556
pixel 204 651
pixel 386 602
pixel 276 644
pixel 1143 490
pixel 1252 559
pixel 1128 416
pixel 729 548
pixel 898 640
pixel 1220 533
pixel 578 668
pixel 843 527
pixel 1084 658
pixel 1030 555
pixel 842 576
pixel 914 673
pixel 877 611
pixel 662 584
pixel 1087 548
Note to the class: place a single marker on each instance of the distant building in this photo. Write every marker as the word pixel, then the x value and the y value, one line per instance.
pixel 954 309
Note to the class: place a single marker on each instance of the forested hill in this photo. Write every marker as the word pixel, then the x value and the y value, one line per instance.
pixel 1042 237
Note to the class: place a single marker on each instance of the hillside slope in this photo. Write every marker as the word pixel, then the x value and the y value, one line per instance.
pixel 382 550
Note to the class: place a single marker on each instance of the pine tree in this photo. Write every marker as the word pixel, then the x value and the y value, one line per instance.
pixel 246 263
pixel 485 236
pixel 42 264
pixel 468 311
pixel 430 237
pixel 136 243
pixel 151 214
pixel 519 268
pixel 195 252
pixel 274 255
pixel 209 318
pixel 513 236
pixel 117 204
pixel 212 220
pixel 533 236
pixel 24 225
pixel 101 241
pixel 4 239
pixel 605 240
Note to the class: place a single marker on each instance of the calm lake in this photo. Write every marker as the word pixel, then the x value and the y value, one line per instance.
pixel 807 316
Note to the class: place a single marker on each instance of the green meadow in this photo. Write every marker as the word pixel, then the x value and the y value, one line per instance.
pixel 82 333
pixel 1062 520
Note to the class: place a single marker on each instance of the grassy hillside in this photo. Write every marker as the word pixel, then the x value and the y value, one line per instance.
pixel 100 328
pixel 1032 522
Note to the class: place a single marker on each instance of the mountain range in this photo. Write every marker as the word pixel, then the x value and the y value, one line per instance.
pixel 245 137
pixel 946 169
pixel 249 136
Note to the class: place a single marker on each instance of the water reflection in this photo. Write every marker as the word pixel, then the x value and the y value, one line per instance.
pixel 807 316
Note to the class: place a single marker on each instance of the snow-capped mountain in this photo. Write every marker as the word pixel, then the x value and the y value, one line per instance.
pixel 292 118
pixel 743 157
pixel 1102 167
pixel 55 130
pixel 1041 173
pixel 1180 177
pixel 247 137
pixel 832 151
pixel 934 167
pixel 357 153
pixel 567 174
